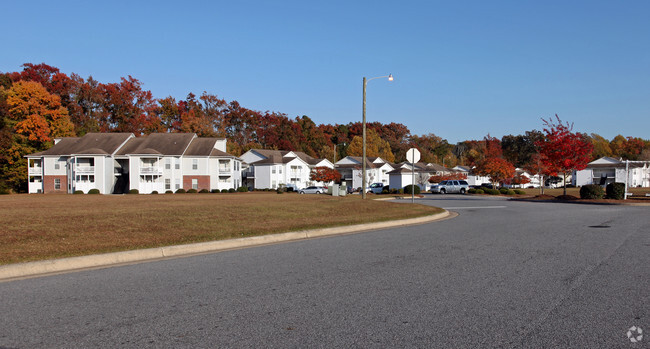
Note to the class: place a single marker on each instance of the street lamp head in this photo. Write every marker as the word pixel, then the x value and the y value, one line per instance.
pixel 390 77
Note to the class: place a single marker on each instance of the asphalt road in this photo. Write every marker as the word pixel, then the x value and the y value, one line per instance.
pixel 502 274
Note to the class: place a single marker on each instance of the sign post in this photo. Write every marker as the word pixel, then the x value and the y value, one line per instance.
pixel 413 156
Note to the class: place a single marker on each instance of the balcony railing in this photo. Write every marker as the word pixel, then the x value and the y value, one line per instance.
pixel 84 170
pixel 150 170
pixel 33 171
pixel 224 170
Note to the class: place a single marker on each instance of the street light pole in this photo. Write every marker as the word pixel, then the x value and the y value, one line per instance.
pixel 363 123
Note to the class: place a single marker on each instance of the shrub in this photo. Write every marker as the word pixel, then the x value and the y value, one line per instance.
pixel 401 191
pixel 224 190
pixel 503 190
pixel 385 190
pixel 232 190
pixel 154 192
pixel 279 191
pixel 169 192
pixel 93 191
pixel 519 192
pixel 78 192
pixel 480 191
pixel 591 191
pixel 134 191
pixel 411 189
pixel 491 191
pixel 471 191
pixel 192 191
pixel 204 191
pixel 215 191
pixel 244 189
pixel 180 191
pixel 615 191
pixel 510 192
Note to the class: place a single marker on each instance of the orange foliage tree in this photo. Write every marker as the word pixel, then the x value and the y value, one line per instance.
pixel 324 174
pixel 498 169
pixel 452 176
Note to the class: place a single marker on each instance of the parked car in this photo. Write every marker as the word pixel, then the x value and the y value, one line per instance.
pixel 313 190
pixel 375 188
pixel 450 186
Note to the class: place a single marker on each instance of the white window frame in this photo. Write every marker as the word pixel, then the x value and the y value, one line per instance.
pixel 195 164
pixel 57 183
pixel 195 183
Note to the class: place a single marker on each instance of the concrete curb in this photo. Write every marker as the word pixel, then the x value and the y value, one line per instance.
pixel 38 268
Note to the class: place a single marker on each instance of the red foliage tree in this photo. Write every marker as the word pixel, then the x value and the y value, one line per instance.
pixel 498 169
pixel 563 151
pixel 325 175
pixel 452 176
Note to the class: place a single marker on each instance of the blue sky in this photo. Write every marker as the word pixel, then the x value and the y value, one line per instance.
pixel 462 69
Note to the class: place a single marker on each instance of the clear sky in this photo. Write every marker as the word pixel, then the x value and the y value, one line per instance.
pixel 462 69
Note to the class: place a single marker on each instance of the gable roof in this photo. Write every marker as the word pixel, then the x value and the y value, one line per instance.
pixel 159 143
pixel 284 156
pixel 89 144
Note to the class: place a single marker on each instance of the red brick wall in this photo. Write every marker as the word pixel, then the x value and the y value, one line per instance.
pixel 203 181
pixel 48 184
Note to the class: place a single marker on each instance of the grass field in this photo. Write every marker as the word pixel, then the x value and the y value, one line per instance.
pixel 37 227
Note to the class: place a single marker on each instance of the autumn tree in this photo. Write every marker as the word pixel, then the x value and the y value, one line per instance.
pixel 498 169
pixel 33 118
pixel 375 146
pixel 601 146
pixel 325 175
pixel 562 150
pixel 451 176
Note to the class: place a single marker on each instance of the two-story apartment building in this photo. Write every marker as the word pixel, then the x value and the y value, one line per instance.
pixel 273 168
pixel 608 170
pixel 115 163
pixel 377 170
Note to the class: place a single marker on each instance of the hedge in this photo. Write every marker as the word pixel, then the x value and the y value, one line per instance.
pixel 615 191
pixel 409 188
pixel 591 191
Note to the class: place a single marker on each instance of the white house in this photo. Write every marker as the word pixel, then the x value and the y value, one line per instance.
pixel 472 179
pixel 608 170
pixel 273 168
pixel 115 163
pixel 351 170
pixel 405 174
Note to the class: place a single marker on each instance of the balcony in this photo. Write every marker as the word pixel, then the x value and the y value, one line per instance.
pixel 250 173
pixel 225 171
pixel 148 170
pixel 35 171
pixel 84 170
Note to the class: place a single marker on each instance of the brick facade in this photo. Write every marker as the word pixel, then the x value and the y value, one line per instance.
pixel 48 184
pixel 203 182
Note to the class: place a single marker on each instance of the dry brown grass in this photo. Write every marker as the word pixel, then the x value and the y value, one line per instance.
pixel 36 227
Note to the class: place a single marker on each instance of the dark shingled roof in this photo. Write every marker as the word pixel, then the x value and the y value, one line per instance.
pixel 278 157
pixel 162 143
pixel 200 147
pixel 91 143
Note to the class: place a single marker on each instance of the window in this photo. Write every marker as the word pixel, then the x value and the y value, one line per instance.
pixel 195 164
pixel 168 183
pixel 177 165
pixel 280 169
pixel 57 183
pixel 168 164
pixel 274 184
pixel 91 179
pixel 195 183
pixel 56 165
pixel 236 165
pixel 178 184
pixel 273 170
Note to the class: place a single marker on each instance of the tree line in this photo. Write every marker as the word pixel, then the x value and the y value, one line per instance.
pixel 40 103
